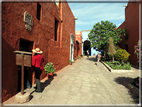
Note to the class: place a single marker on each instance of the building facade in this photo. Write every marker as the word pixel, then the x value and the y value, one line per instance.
pixel 49 26
pixel 78 44
pixel 131 24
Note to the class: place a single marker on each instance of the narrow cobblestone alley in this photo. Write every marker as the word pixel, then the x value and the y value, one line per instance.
pixel 84 83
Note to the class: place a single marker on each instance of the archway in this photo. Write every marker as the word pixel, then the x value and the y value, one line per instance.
pixel 87 46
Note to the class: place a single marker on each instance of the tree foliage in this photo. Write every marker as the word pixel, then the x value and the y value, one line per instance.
pixel 100 33
pixel 121 55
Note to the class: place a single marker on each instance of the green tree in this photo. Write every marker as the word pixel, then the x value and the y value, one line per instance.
pixel 111 49
pixel 100 33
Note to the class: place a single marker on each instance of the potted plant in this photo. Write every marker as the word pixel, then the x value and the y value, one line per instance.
pixel 74 59
pixel 70 62
pixel 49 69
pixel 81 55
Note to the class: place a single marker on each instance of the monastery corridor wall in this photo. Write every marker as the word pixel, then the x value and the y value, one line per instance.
pixel 41 36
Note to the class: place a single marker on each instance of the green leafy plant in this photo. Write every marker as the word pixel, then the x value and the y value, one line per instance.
pixel 79 57
pixel 121 55
pixel 49 67
pixel 100 33
pixel 74 59
pixel 108 57
pixel 70 61
pixel 119 65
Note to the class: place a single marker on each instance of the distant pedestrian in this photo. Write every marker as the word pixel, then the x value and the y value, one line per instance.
pixel 88 53
pixel 98 58
pixel 37 62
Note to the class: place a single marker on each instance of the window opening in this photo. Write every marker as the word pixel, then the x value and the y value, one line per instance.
pixel 56 29
pixel 38 11
pixel 126 47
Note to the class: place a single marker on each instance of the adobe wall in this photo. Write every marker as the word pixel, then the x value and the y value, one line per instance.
pixel 78 44
pixel 42 36
pixel 131 24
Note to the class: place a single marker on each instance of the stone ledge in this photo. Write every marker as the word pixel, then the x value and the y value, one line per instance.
pixel 112 70
pixel 132 88
pixel 19 98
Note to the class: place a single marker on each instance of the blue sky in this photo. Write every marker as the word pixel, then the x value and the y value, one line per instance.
pixel 89 14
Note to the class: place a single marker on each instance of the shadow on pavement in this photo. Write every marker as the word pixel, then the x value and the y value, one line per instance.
pixel 47 82
pixel 136 67
pixel 92 59
pixel 121 80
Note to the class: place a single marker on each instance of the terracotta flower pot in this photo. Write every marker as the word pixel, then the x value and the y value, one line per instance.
pixel 50 75
pixel 70 63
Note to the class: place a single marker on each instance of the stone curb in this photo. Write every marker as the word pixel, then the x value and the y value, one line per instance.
pixel 112 70
pixel 132 88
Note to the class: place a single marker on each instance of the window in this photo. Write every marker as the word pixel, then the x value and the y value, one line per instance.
pixel 126 46
pixel 38 11
pixel 56 29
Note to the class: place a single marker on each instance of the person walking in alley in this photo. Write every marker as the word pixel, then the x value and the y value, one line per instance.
pixel 98 58
pixel 37 62
pixel 88 53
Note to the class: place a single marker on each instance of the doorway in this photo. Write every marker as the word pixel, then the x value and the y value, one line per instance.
pixel 86 46
pixel 27 46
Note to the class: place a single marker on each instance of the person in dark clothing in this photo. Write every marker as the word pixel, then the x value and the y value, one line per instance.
pixel 37 63
pixel 88 53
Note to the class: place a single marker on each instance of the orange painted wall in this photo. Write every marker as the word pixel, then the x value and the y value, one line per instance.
pixel 78 44
pixel 42 36
pixel 131 24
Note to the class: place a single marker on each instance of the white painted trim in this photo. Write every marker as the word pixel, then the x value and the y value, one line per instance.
pixel 72 37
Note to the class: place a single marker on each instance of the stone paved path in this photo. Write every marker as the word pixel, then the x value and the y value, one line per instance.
pixel 84 83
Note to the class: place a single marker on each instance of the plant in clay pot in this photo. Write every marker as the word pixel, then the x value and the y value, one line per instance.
pixel 49 68
pixel 74 59
pixel 70 62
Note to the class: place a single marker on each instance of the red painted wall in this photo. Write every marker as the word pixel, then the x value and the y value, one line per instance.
pixel 131 24
pixel 42 36
pixel 78 44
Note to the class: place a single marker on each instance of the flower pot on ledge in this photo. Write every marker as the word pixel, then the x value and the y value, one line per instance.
pixel 70 63
pixel 50 75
